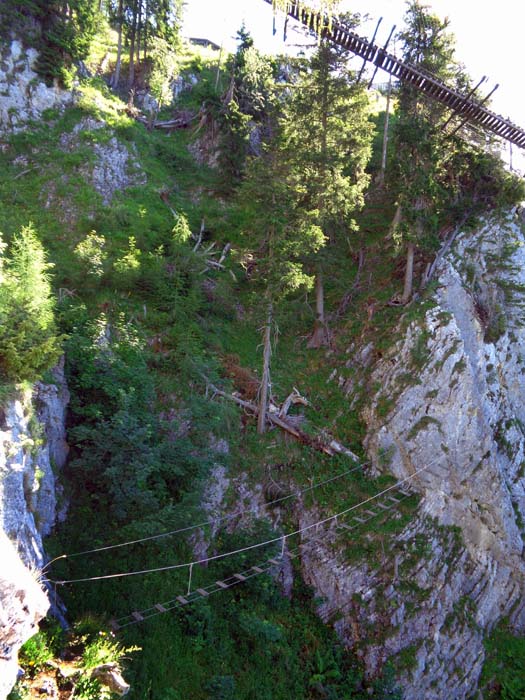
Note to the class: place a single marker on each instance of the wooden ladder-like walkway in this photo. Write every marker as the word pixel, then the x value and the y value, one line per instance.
pixel 464 105
pixel 381 507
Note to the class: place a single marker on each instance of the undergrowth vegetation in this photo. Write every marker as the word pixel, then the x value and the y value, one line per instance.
pixel 154 309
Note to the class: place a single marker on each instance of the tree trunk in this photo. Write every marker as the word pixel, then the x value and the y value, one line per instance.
pixel 396 220
pixel 145 37
pixel 131 78
pixel 319 336
pixel 139 29
pixel 409 273
pixel 381 177
pixel 265 381
pixel 116 75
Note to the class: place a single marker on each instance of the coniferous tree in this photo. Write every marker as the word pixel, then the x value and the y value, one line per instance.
pixel 62 32
pixel 328 136
pixel 246 106
pixel 420 144
pixel 279 235
pixel 28 337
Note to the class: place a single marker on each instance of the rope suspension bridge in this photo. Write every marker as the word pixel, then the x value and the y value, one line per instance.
pixel 382 507
pixel 385 501
pixel 465 106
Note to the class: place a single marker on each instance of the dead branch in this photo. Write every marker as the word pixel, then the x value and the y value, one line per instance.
pixel 199 239
pixel 64 293
pixel 225 252
pixel 294 398
pixel 25 172
pixel 318 442
pixel 180 122
pixel 431 269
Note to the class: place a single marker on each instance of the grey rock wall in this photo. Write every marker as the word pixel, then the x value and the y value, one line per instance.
pixel 23 95
pixel 22 604
pixel 448 402
pixel 32 451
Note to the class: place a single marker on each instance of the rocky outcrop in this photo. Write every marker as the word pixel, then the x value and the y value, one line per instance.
pixel 24 96
pixel 448 408
pixel 22 605
pixel 32 451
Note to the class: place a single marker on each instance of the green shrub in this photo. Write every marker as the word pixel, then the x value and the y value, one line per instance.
pixel 504 670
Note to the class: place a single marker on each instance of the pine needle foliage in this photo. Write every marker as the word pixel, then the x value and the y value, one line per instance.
pixel 29 343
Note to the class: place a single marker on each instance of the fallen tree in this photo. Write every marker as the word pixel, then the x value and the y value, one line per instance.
pixel 277 416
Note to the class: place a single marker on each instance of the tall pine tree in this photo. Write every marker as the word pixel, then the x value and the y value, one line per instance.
pixel 420 144
pixel 328 135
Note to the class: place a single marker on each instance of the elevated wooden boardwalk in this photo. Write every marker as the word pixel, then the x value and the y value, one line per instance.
pixel 464 105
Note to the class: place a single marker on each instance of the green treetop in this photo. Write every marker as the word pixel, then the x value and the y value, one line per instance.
pixel 421 147
pixel 28 340
pixel 328 144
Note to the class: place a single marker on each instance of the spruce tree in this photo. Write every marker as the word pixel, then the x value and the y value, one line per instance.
pixel 328 143
pixel 277 235
pixel 28 338
pixel 420 144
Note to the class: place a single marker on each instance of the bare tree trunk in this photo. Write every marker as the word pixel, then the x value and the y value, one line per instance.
pixel 381 177
pixel 409 273
pixel 218 73
pixel 139 29
pixel 131 78
pixel 116 75
pixel 396 220
pixel 145 39
pixel 265 381
pixel 320 335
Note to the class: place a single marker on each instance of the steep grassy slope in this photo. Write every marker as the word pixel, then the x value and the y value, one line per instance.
pixel 147 324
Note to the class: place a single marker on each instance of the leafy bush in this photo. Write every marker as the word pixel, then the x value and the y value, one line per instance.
pixel 35 653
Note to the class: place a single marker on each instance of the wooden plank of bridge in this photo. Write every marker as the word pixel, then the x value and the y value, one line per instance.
pixel 114 626
pixel 202 592
pixel 137 616
pixel 160 608
pixel 358 519
pixel 258 569
pixel 182 600
pixel 446 95
pixel 277 562
pixel 239 577
pixel 221 584
pixel 373 513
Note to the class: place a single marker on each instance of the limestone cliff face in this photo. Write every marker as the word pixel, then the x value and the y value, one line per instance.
pixel 22 604
pixel 24 95
pixel 32 449
pixel 448 402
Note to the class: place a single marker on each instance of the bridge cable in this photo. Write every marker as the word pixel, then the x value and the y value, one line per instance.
pixel 257 545
pixel 234 580
pixel 207 522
